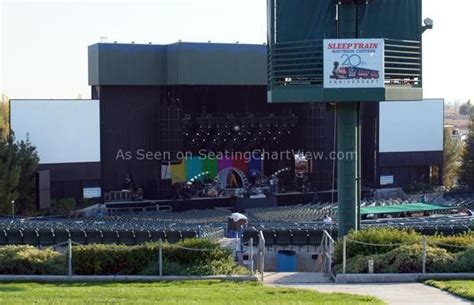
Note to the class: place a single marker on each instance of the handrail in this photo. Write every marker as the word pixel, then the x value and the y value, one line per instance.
pixel 261 254
pixel 327 247
pixel 328 236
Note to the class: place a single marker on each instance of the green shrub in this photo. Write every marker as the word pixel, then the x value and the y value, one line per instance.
pixel 459 242
pixel 464 261
pixel 404 259
pixel 408 259
pixel 63 206
pixel 132 260
pixel 113 259
pixel 380 236
pixel 213 252
pixel 356 264
pixel 28 260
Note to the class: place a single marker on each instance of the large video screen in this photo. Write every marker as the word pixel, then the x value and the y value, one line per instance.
pixel 411 126
pixel 63 131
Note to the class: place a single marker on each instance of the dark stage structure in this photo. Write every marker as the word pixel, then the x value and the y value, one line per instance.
pixel 205 97
pixel 163 98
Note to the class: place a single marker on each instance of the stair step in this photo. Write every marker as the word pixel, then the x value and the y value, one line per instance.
pixel 296 278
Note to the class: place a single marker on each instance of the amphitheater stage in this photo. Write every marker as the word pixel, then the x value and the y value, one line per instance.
pixel 232 203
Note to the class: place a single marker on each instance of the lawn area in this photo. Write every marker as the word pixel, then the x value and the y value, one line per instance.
pixel 464 288
pixel 204 292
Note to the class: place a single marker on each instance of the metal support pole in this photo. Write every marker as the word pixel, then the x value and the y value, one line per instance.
pixel 347 118
pixel 160 258
pixel 251 255
pixel 344 254
pixel 69 257
pixel 423 246
pixel 347 166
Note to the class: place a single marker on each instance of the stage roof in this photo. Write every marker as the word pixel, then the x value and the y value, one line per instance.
pixel 403 208
pixel 177 64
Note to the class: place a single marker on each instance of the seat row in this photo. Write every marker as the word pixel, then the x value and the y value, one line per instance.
pixel 293 237
pixel 54 237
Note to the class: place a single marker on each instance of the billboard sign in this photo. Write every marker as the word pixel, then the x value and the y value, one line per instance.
pixel 354 63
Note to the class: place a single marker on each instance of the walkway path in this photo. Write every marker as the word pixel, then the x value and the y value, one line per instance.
pixel 392 294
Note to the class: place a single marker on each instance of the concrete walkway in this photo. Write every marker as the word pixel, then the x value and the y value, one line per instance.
pixel 391 294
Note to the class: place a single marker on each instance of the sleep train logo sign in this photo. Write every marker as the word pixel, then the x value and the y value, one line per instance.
pixel 353 63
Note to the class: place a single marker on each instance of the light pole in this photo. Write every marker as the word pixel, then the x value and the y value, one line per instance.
pixel 13 208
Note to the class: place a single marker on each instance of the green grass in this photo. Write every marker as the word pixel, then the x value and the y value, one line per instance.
pixel 203 292
pixel 464 289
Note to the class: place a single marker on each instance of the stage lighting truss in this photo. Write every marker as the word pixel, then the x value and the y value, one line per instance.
pixel 237 133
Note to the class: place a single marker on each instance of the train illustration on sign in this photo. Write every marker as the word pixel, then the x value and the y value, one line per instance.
pixel 352 72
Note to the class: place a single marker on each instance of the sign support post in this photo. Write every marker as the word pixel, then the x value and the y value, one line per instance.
pixel 347 118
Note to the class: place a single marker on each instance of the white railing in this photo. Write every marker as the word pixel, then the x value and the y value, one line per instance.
pixel 327 252
pixel 261 254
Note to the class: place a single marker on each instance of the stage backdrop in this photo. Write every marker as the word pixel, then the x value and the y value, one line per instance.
pixel 200 168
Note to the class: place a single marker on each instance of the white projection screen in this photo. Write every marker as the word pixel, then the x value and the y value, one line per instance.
pixel 411 126
pixel 63 131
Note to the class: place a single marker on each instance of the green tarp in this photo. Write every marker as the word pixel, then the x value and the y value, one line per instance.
pixel 412 207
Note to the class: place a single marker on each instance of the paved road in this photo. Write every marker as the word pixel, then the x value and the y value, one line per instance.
pixel 392 294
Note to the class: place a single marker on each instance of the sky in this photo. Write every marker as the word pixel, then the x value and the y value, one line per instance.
pixel 43 51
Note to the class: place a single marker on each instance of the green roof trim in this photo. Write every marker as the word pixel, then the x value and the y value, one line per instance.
pixel 412 207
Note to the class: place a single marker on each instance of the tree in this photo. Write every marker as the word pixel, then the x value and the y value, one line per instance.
pixel 18 166
pixel 4 128
pixel 9 173
pixel 452 158
pixel 465 109
pixel 466 174
pixel 28 161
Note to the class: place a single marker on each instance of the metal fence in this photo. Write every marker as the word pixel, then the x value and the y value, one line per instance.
pixel 424 243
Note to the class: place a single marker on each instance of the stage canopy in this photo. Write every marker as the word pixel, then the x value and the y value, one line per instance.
pixel 404 208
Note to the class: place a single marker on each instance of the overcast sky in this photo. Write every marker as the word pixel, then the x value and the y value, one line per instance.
pixel 44 43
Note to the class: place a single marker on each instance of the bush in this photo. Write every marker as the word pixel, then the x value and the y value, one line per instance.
pixel 112 259
pixel 459 242
pixel 385 236
pixel 408 259
pixel 126 260
pixel 357 264
pixel 213 252
pixel 464 261
pixel 28 260
pixel 63 206
pixel 100 259
pixel 404 259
